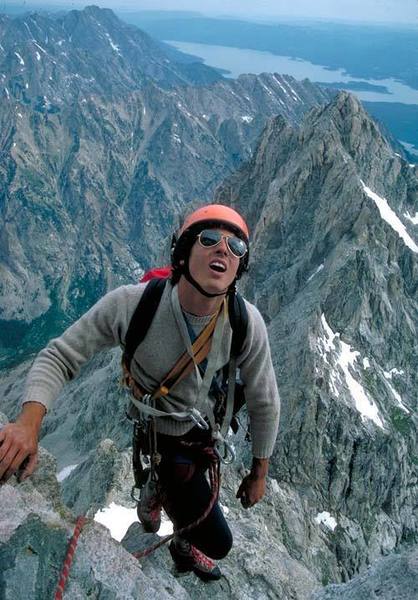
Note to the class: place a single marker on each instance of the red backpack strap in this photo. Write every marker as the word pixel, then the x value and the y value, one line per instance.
pixel 157 273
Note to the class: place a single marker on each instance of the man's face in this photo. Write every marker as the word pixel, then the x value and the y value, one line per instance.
pixel 214 268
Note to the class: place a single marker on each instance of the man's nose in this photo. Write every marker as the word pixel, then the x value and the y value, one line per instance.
pixel 223 246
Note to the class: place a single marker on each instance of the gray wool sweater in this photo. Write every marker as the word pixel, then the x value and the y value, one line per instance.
pixel 105 326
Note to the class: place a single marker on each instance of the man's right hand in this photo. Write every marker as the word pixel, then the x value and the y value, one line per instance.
pixel 19 443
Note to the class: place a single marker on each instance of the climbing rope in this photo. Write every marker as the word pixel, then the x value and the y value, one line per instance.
pixel 81 521
pixel 214 479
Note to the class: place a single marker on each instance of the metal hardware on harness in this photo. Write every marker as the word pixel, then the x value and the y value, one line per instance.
pixel 198 419
pixel 136 498
pixel 227 455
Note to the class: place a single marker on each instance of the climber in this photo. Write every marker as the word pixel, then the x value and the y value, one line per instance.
pixel 181 380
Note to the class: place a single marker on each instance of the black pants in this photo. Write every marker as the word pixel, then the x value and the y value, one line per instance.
pixel 188 494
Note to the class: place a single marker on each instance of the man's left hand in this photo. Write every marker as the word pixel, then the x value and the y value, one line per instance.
pixel 251 490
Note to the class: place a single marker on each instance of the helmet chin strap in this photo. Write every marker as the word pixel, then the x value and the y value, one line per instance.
pixel 199 288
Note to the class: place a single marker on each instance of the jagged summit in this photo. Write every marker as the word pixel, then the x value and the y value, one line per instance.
pixel 335 256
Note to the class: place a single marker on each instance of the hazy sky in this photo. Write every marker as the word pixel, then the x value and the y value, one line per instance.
pixel 405 11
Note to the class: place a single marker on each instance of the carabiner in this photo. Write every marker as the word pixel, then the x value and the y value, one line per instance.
pixel 136 498
pixel 197 418
pixel 228 455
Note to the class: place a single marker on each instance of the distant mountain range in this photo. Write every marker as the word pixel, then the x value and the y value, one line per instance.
pixel 358 49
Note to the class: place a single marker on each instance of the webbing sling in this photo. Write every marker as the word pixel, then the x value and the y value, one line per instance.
pixel 138 328
pixel 183 367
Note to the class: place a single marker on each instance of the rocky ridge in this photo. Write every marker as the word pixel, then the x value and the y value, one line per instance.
pixel 36 525
pixel 334 267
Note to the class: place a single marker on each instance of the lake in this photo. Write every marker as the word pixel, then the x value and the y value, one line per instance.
pixel 238 61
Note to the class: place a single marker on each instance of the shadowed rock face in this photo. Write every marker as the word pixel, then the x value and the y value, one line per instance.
pixel 100 151
pixel 391 577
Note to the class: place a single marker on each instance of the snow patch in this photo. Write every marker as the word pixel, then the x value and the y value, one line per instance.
pixel 20 115
pixel 366 363
pixel 294 94
pixel 114 46
pixel 247 118
pixel 65 472
pixel 40 47
pixel 7 92
pixel 225 509
pixel 319 269
pixel 119 518
pixel 391 217
pixel 275 486
pixel 280 85
pixel 38 56
pixel 398 398
pixel 414 219
pixel 345 359
pixel 389 374
pixel 324 518
pixel 268 90
pixel 22 62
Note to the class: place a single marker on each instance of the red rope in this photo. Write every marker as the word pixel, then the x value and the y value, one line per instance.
pixel 81 521
pixel 214 477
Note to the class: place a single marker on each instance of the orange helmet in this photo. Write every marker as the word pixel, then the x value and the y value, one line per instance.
pixel 207 216
pixel 216 213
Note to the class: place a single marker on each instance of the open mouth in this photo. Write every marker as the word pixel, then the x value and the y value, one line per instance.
pixel 217 266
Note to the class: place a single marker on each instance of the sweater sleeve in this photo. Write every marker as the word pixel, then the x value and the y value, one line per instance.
pixel 103 326
pixel 261 393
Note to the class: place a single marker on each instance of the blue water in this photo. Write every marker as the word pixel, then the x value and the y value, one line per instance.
pixel 238 61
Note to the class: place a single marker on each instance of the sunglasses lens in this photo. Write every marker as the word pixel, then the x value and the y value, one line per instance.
pixel 238 247
pixel 210 237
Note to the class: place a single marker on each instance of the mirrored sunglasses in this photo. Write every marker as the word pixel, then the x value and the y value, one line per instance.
pixel 212 237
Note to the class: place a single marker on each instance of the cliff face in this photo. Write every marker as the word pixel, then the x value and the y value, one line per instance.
pixel 103 141
pixel 334 263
